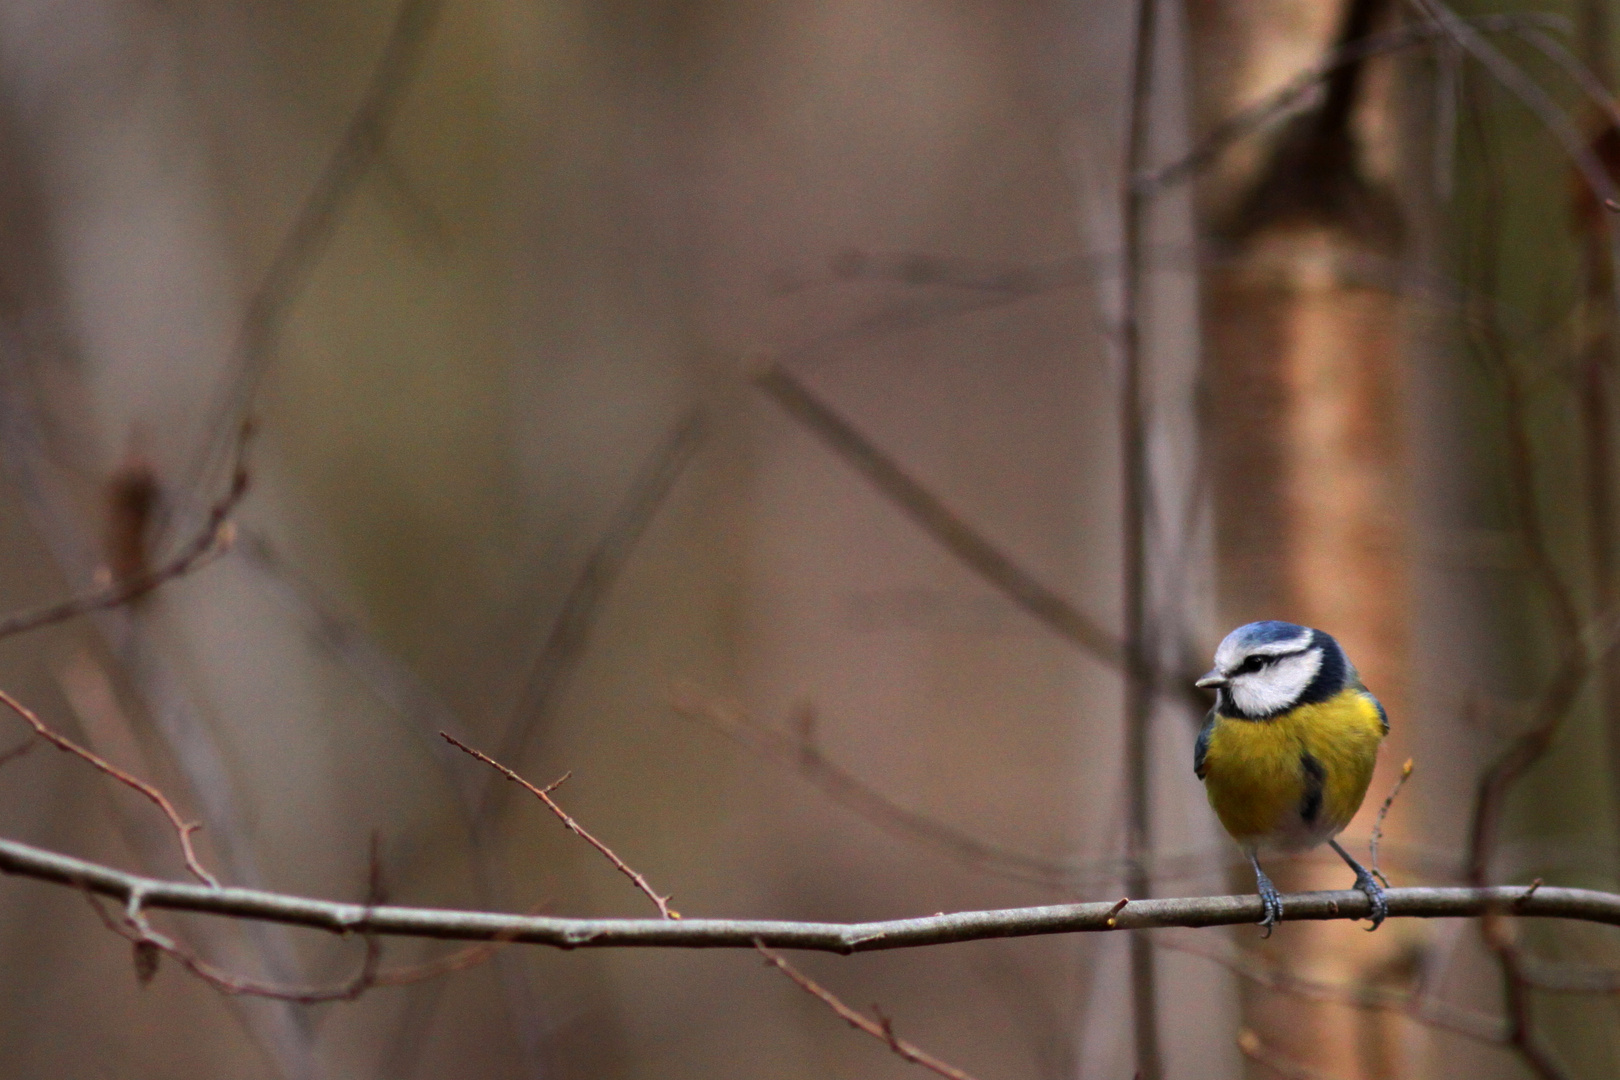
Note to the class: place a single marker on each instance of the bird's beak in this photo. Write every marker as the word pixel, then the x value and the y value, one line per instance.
pixel 1213 680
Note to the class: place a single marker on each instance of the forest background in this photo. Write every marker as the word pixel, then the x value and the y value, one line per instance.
pixel 835 434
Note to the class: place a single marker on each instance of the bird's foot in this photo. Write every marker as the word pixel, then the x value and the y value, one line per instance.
pixel 1377 904
pixel 1270 901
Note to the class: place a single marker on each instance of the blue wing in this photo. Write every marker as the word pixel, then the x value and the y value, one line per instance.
pixel 1383 717
pixel 1356 683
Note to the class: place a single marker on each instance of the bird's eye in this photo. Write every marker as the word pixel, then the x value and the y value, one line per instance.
pixel 1252 663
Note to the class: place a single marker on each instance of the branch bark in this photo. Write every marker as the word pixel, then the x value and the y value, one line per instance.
pixel 24 860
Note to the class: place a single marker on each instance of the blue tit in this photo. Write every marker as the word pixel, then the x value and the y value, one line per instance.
pixel 1288 750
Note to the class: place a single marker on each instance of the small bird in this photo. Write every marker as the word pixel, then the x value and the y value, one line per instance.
pixel 1288 750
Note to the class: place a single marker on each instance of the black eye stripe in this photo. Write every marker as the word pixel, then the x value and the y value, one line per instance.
pixel 1256 661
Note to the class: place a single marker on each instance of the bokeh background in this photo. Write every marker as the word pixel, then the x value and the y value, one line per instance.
pixel 553 337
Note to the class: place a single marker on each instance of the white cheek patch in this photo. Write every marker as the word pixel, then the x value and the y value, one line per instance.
pixel 1276 686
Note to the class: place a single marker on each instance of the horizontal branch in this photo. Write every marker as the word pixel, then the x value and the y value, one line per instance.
pixel 138 893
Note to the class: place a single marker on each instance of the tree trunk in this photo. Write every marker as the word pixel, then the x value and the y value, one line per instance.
pixel 1304 439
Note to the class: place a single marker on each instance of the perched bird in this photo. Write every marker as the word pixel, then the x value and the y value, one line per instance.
pixel 1287 752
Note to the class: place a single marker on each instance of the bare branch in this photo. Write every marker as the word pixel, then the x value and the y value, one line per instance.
pixel 1573 664
pixel 1516 990
pixel 150 944
pixel 213 540
pixel 1584 905
pixel 183 828
pixel 570 633
pixel 544 795
pixel 362 144
pixel 1142 631
pixel 938 520
pixel 8 756
pixel 1383 812
pixel 881 1029
pixel 460 960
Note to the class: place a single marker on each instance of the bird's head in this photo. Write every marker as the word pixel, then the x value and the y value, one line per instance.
pixel 1267 668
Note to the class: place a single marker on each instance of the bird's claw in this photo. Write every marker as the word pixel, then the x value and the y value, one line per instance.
pixel 1377 904
pixel 1271 903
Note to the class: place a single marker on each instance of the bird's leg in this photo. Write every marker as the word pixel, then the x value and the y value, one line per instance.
pixel 1367 884
pixel 1270 898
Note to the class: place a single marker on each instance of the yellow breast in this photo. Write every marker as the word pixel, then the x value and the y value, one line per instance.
pixel 1260 776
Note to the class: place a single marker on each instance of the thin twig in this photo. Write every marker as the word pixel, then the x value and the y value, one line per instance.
pixel 362 144
pixel 881 1029
pixel 1516 998
pixel 213 540
pixel 1573 665
pixel 571 630
pixel 544 795
pixel 393 683
pixel 182 828
pixel 938 520
pixel 16 752
pixel 1535 98
pixel 151 943
pixel 1378 823
pixel 1141 642
pixel 460 960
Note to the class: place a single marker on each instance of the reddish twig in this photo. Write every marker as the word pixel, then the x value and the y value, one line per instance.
pixel 881 1029
pixel 1378 823
pixel 16 752
pixel 213 540
pixel 460 960
pixel 1558 697
pixel 183 828
pixel 1516 995
pixel 544 795
pixel 151 943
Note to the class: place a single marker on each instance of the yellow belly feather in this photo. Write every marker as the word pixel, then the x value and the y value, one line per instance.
pixel 1256 782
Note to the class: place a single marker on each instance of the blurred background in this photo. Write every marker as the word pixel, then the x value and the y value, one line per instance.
pixel 790 418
